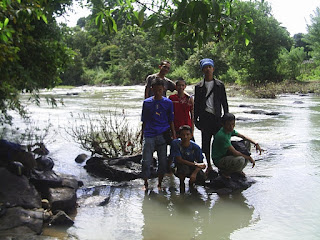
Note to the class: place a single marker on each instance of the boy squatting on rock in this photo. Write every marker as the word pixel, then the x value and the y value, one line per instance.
pixel 225 157
pixel 188 158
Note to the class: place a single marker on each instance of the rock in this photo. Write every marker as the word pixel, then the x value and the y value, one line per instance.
pixel 120 169
pixel 246 106
pixel 44 163
pixel 29 221
pixel 62 199
pixel 44 180
pixel 104 202
pixel 61 218
pixel 262 112
pixel 17 191
pixel 297 102
pixel 223 185
pixel 81 158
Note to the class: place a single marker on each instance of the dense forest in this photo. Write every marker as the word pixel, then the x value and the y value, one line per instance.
pixel 122 42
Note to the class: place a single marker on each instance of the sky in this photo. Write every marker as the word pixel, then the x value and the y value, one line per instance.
pixel 292 14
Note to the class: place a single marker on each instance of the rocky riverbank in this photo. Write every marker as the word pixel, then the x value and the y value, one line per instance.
pixel 32 195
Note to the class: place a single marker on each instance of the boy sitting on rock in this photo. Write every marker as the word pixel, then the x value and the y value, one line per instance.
pixel 225 157
pixel 188 158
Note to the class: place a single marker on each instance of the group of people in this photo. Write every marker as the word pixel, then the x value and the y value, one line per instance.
pixel 172 120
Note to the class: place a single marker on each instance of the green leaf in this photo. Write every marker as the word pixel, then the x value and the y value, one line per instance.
pixel 150 21
pixel 163 32
pixel 44 18
pixel 5 23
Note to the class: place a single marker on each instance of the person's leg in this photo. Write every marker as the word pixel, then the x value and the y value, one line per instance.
pixel 161 148
pixel 182 184
pixel 230 164
pixel 205 144
pixel 148 146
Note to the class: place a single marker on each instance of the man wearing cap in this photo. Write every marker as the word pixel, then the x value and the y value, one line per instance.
pixel 209 99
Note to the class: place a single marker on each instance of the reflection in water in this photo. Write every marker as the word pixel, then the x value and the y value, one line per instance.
pixel 196 215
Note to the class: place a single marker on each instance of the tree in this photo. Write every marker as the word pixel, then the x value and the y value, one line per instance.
pixel 32 56
pixel 313 36
pixel 290 62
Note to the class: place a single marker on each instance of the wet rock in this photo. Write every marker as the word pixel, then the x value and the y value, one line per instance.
pixel 81 158
pixel 119 169
pixel 44 163
pixel 262 112
pixel 61 218
pixel 17 191
pixel 62 199
pixel 246 106
pixel 28 222
pixel 104 202
pixel 223 185
pixel 298 102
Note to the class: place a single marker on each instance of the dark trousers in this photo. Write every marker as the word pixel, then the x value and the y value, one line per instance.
pixel 210 125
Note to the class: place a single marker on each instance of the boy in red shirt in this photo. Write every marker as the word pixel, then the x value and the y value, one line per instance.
pixel 183 106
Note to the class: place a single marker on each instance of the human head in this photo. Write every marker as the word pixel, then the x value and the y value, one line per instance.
pixel 157 86
pixel 206 62
pixel 164 67
pixel 180 85
pixel 228 122
pixel 185 133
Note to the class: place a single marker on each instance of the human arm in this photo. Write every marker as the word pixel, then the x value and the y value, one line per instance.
pixel 224 101
pixel 257 146
pixel 146 92
pixel 142 130
pixel 234 152
pixel 191 101
pixel 180 160
pixel 173 131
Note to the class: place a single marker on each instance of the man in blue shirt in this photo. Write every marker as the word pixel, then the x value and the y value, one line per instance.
pixel 188 158
pixel 157 118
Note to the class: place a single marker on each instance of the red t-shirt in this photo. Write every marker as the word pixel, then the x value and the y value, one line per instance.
pixel 182 110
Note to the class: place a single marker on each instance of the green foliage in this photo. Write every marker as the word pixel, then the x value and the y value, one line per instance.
pixel 290 62
pixel 313 36
pixel 32 55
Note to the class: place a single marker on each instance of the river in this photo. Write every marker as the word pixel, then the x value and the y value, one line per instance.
pixel 284 203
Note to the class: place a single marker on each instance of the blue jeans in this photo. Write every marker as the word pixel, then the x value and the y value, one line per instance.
pixel 150 144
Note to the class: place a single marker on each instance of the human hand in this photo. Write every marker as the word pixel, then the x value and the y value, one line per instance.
pixel 258 148
pixel 200 165
pixel 252 161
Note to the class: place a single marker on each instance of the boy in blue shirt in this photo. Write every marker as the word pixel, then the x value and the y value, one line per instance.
pixel 157 118
pixel 188 158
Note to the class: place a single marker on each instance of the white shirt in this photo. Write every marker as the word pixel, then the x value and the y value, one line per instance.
pixel 209 102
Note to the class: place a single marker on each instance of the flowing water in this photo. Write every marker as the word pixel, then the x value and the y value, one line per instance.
pixel 284 203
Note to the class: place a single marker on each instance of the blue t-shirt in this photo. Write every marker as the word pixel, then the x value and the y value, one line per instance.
pixel 156 115
pixel 193 153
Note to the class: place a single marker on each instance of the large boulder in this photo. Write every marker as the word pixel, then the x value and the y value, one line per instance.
pixel 28 222
pixel 17 191
pixel 62 199
pixel 118 169
pixel 222 185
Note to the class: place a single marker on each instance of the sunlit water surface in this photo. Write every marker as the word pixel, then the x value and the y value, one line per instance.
pixel 284 203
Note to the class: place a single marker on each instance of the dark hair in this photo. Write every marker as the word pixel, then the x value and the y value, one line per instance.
pixel 185 127
pixel 181 79
pixel 228 117
pixel 164 62
pixel 157 82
